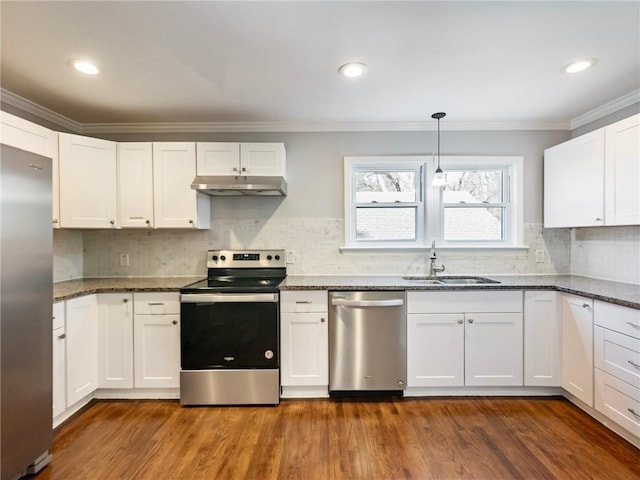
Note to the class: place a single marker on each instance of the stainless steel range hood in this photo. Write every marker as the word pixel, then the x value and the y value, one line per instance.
pixel 231 185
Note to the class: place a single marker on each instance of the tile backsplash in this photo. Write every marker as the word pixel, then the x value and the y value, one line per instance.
pixel 316 243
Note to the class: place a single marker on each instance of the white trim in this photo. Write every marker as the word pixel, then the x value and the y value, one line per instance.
pixel 425 249
pixel 606 109
pixel 39 111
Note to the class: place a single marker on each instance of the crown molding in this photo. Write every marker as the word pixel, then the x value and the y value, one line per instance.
pixel 39 111
pixel 606 109
pixel 48 115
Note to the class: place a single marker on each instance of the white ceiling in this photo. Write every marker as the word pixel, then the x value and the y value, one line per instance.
pixel 275 63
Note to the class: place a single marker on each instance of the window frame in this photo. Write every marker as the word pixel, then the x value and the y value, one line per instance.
pixel 430 214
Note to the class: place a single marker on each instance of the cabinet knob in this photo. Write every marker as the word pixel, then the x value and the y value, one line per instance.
pixel 55 221
pixel 598 219
pixel 175 322
pixel 112 222
pixel 244 169
pixel 148 222
pixel 585 305
pixel 191 222
pixel 460 321
pixel 235 169
pixel 471 320
pixel 62 336
pixel 125 300
pixel 322 320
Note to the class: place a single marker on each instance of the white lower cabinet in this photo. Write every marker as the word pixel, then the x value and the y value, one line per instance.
pixel 542 339
pixel 81 347
pixel 59 363
pixel 304 343
pixel 577 347
pixel 156 334
pixel 115 340
pixel 617 364
pixel 464 338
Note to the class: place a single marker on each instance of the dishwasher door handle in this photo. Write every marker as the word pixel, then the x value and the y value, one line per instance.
pixel 341 302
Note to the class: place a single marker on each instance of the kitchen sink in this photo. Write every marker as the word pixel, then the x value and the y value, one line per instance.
pixel 449 280
pixel 465 280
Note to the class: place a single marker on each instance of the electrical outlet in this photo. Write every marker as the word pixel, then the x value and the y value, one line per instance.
pixel 124 259
pixel 291 256
pixel 539 256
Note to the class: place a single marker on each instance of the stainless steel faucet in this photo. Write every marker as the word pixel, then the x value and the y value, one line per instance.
pixel 434 269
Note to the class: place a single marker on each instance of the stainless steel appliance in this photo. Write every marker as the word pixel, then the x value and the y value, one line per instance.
pixel 26 286
pixel 230 330
pixel 367 342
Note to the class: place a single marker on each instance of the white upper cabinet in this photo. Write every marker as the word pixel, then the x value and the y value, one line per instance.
pixel 592 180
pixel 250 159
pixel 31 137
pixel 573 182
pixel 135 185
pixel 622 172
pixel 88 188
pixel 176 204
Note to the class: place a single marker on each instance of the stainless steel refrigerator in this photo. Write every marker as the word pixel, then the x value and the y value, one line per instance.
pixel 26 286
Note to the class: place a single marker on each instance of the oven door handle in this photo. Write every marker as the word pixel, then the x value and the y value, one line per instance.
pixel 229 298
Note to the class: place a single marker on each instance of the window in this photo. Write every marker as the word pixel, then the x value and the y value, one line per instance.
pixel 385 204
pixel 388 206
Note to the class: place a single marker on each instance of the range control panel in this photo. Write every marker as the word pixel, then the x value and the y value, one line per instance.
pixel 246 259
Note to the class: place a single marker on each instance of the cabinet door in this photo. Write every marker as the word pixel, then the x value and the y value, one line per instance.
pixel 218 158
pixel 157 351
pixel 262 159
pixel 574 182
pixel 622 172
pixel 577 347
pixel 542 339
pixel 435 350
pixel 135 185
pixel 58 360
pixel 305 349
pixel 176 204
pixel 88 191
pixel 493 349
pixel 115 340
pixel 82 343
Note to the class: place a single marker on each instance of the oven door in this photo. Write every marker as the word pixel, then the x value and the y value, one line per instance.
pixel 229 331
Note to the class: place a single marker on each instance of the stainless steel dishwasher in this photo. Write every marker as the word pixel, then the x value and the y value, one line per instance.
pixel 367 342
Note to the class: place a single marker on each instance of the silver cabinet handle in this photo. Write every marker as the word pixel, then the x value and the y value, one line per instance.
pixel 470 320
pixel 304 301
pixel 155 303
pixel 634 363
pixel 175 322
pixel 633 412
pixel 633 324
pixel 460 321
pixel 340 302
pixel 62 336
pixel 229 298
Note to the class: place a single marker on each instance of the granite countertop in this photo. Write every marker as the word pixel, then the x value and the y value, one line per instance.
pixel 625 294
pixel 87 286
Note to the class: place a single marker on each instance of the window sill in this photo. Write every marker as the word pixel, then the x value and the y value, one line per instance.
pixel 426 249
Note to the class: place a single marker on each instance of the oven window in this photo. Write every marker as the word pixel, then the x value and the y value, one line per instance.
pixel 229 335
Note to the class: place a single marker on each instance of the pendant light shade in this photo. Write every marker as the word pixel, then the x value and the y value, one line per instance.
pixel 438 178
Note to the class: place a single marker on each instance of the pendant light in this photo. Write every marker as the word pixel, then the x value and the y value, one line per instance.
pixel 438 178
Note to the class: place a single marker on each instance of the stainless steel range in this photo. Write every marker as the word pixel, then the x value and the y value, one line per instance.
pixel 230 329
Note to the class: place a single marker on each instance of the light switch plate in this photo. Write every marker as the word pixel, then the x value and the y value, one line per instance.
pixel 539 256
pixel 124 259
pixel 290 256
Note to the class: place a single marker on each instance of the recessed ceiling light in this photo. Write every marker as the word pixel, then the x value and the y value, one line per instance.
pixel 580 65
pixel 352 70
pixel 85 67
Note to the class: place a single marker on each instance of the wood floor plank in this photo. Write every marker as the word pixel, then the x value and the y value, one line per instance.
pixel 431 438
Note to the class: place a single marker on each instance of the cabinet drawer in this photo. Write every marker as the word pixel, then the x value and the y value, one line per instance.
pixel 58 315
pixel 614 317
pixel 304 301
pixel 155 303
pixel 617 354
pixel 478 301
pixel 618 400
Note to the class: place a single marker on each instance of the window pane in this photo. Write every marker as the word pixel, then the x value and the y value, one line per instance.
pixel 383 186
pixel 386 223
pixel 481 186
pixel 473 224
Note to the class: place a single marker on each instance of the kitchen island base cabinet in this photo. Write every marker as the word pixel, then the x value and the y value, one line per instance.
pixel 157 340
pixel 577 347
pixel 464 338
pixel 304 339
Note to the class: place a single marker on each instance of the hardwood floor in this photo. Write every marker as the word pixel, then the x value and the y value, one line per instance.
pixel 444 438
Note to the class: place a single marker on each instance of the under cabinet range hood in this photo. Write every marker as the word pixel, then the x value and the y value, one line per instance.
pixel 223 185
